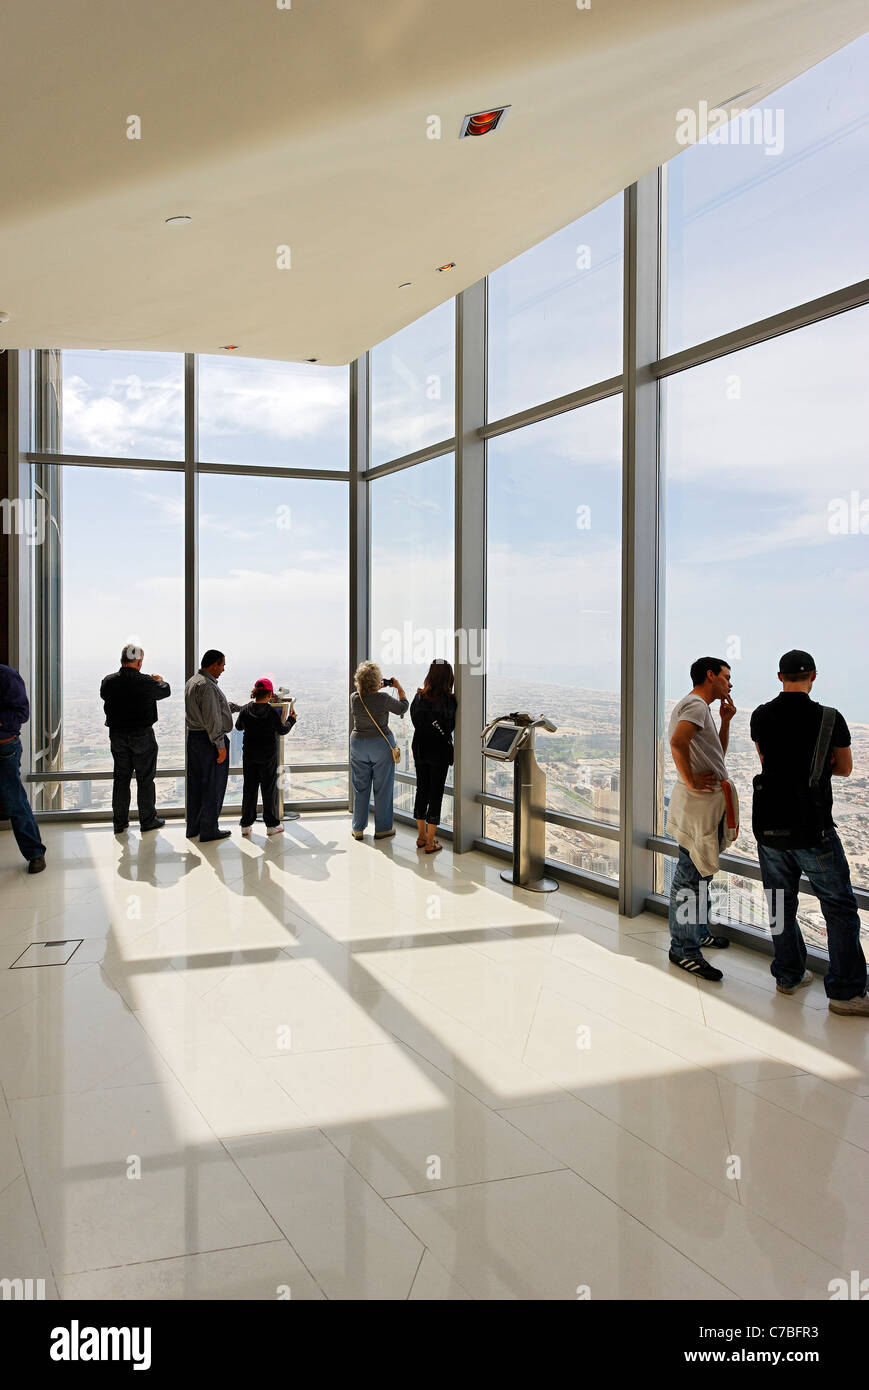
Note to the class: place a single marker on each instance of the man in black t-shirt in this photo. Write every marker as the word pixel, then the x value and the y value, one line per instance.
pixel 130 700
pixel 785 733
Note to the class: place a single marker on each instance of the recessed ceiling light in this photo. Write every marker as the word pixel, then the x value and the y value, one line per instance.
pixel 406 285
pixel 310 359
pixel 482 122
pixel 450 265
pixel 4 317
pixel 229 347
pixel 178 221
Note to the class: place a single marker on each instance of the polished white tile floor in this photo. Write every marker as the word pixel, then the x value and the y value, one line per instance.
pixel 315 1068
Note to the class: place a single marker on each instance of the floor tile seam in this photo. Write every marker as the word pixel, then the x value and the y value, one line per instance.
pixel 665 1047
pixel 373 1190
pixel 464 1024
pixel 641 1138
pixel 796 1115
pixel 171 1259
pixel 496 1110
pixel 558 1167
pixel 773 1057
pixel 566 1168
pixel 29 1003
pixel 755 1214
pixel 271 1216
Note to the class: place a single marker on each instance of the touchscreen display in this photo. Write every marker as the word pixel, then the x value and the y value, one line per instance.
pixel 500 740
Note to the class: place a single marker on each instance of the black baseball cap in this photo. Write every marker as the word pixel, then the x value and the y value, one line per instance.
pixel 796 663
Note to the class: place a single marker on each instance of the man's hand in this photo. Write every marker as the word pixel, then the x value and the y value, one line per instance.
pixel 728 709
pixel 221 755
pixel 157 678
pixel 703 782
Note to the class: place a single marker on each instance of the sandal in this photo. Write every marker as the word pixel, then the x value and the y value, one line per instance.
pixel 434 848
pixel 421 844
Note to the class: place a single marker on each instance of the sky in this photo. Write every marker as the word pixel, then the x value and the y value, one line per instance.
pixel 759 449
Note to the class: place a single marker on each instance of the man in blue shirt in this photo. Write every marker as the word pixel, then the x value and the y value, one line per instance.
pixel 15 711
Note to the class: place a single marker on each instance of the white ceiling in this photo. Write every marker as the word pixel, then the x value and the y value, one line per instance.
pixel 307 127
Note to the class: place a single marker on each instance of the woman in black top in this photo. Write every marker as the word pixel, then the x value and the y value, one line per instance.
pixel 434 718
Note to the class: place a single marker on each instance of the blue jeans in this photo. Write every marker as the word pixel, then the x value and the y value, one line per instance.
pixel 14 800
pixel 689 906
pixel 371 765
pixel 826 868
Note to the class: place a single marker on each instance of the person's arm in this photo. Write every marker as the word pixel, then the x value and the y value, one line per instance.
pixel 162 688
pixel 841 762
pixel 241 721
pixel 759 754
pixel 449 719
pixel 213 718
pixel 14 696
pixel 399 706
pixel 728 710
pixel 680 745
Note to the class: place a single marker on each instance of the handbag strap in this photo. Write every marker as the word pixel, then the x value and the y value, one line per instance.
pixel 373 720
pixel 822 747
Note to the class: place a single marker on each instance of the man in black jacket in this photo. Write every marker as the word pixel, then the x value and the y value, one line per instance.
pixel 130 700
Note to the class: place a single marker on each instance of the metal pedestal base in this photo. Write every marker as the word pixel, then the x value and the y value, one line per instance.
pixel 536 885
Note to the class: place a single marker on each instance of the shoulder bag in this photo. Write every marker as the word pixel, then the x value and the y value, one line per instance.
pixel 396 752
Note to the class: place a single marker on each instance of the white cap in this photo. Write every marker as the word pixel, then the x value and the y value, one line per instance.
pixel 133 653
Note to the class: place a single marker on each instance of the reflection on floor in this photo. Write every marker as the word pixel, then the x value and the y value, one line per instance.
pixel 311 1067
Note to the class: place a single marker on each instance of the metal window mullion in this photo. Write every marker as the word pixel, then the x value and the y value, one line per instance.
pixel 431 451
pixel 750 335
pixel 360 522
pixel 469 561
pixel 640 520
pixel 559 405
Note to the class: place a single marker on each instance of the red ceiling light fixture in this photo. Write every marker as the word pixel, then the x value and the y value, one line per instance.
pixel 483 122
pixel 450 265
pixel 229 347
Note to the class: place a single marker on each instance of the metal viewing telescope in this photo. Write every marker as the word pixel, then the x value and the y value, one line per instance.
pixel 511 740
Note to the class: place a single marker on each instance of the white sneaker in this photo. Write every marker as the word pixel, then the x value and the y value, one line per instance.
pixel 245 830
pixel 274 830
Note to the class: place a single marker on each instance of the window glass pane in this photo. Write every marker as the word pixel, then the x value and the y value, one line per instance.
pixel 273 597
pixel 576 848
pixel 767 540
pixel 739 899
pixel 553 600
pixel 555 314
pixel 412 616
pixel 413 386
pixel 123 405
pixel 286 414
pixel 122 579
pixel 780 216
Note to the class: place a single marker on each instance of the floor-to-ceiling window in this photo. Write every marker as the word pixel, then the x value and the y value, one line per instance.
pixel 412 516
pixel 765 510
pixel 553 551
pixel 271 541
